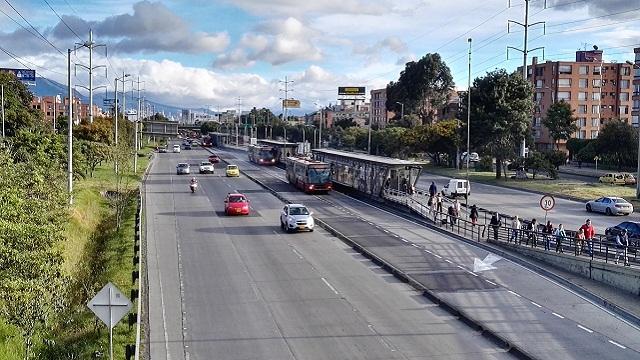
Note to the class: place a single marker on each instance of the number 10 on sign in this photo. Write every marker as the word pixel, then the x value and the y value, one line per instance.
pixel 547 203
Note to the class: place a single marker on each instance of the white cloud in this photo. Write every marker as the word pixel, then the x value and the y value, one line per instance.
pixel 276 42
pixel 298 8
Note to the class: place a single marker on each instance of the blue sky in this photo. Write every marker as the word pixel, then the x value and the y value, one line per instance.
pixel 197 53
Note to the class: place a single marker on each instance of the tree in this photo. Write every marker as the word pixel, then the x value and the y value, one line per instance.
pixel 423 87
pixel 556 158
pixel 441 137
pixel 500 115
pixel 560 121
pixel 389 141
pixel 209 127
pixel 537 162
pixel 101 130
pixel 345 123
pixel 618 143
pixel 17 105
pixel 94 154
pixel 574 146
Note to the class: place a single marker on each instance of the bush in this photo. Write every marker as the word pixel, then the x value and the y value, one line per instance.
pixel 556 157
pixel 485 164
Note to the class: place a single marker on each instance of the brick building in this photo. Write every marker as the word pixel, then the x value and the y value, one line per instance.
pixel 635 111
pixel 379 114
pixel 56 106
pixel 597 91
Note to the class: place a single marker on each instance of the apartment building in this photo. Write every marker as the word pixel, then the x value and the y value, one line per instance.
pixel 55 107
pixel 597 91
pixel 379 114
pixel 635 110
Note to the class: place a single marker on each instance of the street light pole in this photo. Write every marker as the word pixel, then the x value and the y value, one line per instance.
pixel 468 112
pixel 2 86
pixel 70 130
pixel 635 66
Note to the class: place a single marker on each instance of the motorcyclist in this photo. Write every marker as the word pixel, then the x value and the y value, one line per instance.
pixel 193 184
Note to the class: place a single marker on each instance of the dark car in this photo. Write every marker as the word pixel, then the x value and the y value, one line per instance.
pixel 633 229
pixel 214 159
pixel 186 146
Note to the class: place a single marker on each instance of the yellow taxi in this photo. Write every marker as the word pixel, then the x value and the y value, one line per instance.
pixel 233 170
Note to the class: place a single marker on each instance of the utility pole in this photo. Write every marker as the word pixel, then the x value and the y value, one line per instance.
pixel 124 76
pixel 70 130
pixel 239 119
pixel 2 86
pixel 525 50
pixel 469 113
pixel 135 141
pixel 285 108
pixel 91 45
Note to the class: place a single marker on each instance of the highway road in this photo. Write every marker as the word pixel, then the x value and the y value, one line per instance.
pixel 543 317
pixel 527 205
pixel 239 288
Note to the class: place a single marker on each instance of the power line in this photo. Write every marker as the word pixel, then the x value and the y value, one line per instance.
pixel 70 7
pixel 21 60
pixel 61 19
pixel 36 30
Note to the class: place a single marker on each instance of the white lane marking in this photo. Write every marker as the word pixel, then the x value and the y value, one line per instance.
pixel 396 236
pixel 585 329
pixel 558 315
pixel 618 345
pixel 460 267
pixel 415 246
pixel 490 282
pixel 438 256
pixel 449 261
pixel 472 273
pixel 538 305
pixel 329 285
pixel 297 253
pixel 405 240
pixel 428 251
pixel 514 293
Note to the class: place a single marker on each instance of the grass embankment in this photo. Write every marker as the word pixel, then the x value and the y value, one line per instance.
pixel 568 188
pixel 95 252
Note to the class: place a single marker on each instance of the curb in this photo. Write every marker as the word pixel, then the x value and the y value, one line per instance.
pixel 452 309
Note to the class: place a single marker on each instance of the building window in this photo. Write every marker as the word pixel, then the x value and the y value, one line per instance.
pixel 539 70
pixel 539 96
pixel 595 109
pixel 564 82
pixel 634 120
pixel 624 84
pixel 581 122
pixel 564 69
pixel 564 95
pixel 624 110
pixel 596 82
pixel 595 96
pixel 582 96
pixel 595 122
pixel 583 83
pixel 624 96
pixel 583 70
pixel 625 70
pixel 636 105
pixel 583 134
pixel 539 83
pixel 594 134
pixel 582 109
pixel 596 70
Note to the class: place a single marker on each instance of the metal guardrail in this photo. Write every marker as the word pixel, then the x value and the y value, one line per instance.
pixel 602 248
pixel 456 224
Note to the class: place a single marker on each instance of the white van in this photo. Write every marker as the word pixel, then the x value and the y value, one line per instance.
pixel 457 187
pixel 176 148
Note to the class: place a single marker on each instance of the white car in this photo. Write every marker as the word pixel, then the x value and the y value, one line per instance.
pixel 473 158
pixel 457 187
pixel 206 167
pixel 295 217
pixel 176 148
pixel 610 205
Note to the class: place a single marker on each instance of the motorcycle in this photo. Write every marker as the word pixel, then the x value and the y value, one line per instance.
pixel 193 187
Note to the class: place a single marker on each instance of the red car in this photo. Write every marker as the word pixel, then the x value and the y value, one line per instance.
pixel 214 159
pixel 236 204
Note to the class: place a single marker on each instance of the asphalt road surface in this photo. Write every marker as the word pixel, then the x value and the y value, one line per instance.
pixel 538 314
pixel 572 214
pixel 239 288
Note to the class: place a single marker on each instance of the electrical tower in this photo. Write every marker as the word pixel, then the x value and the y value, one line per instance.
pixel 90 44
pixel 285 107
pixel 525 50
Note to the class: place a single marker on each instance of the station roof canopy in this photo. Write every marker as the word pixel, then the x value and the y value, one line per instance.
pixel 277 143
pixel 370 158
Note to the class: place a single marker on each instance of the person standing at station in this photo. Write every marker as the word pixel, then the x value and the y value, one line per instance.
pixel 622 247
pixel 474 214
pixel 560 235
pixel 433 189
pixel 438 202
pixel 515 229
pixel 547 230
pixel 589 233
pixel 456 205
pixel 495 224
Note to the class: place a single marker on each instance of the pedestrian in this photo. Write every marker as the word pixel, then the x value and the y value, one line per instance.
pixel 495 224
pixel 560 235
pixel 452 215
pixel 589 233
pixel 433 189
pixel 474 214
pixel 579 241
pixel 432 205
pixel 548 231
pixel 404 185
pixel 456 205
pixel 515 229
pixel 622 246
pixel 533 233
pixel 439 202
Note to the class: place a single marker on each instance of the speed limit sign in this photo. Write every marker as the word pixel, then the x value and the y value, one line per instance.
pixel 547 202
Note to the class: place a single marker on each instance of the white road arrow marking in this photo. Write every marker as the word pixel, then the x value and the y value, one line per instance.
pixel 486 264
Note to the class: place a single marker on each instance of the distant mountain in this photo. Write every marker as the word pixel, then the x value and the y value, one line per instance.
pixel 46 87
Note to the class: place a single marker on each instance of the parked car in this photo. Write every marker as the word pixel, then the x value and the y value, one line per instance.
pixel 629 179
pixel 296 217
pixel 236 204
pixel 233 170
pixel 610 205
pixel 612 178
pixel 633 229
pixel 183 169
pixel 473 158
pixel 457 187
pixel 176 148
pixel 206 167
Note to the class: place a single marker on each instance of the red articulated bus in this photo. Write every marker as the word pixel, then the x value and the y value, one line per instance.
pixel 310 176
